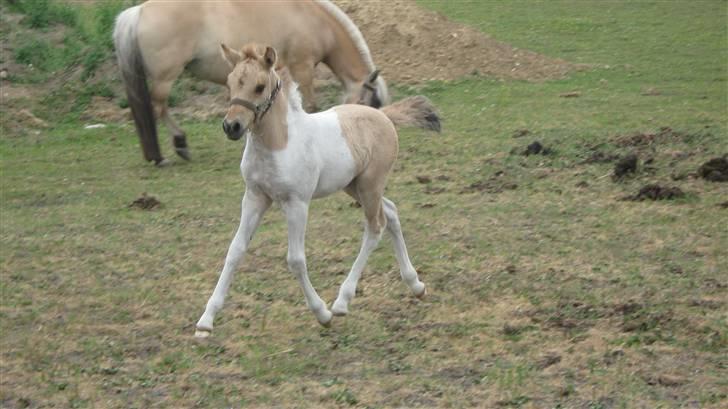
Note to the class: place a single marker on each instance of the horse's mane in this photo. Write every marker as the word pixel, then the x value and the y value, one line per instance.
pixel 290 87
pixel 351 29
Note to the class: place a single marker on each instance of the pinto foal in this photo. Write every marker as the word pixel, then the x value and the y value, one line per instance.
pixel 292 157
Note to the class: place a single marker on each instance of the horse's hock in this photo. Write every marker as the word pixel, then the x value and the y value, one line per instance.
pixel 411 45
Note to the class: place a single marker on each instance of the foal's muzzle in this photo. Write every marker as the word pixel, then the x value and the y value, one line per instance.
pixel 233 129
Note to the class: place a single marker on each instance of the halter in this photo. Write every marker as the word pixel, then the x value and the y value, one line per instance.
pixel 260 109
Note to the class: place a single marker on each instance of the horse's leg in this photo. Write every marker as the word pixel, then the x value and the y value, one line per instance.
pixel 160 96
pixel 303 74
pixel 254 206
pixel 407 271
pixel 297 215
pixel 371 201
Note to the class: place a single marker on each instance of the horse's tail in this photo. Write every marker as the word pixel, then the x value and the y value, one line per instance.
pixel 133 74
pixel 414 111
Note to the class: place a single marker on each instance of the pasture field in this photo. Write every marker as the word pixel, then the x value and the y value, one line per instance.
pixel 545 289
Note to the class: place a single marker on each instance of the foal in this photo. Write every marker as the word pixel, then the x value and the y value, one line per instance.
pixel 292 157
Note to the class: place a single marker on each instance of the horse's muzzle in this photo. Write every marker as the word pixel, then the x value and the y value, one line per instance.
pixel 233 129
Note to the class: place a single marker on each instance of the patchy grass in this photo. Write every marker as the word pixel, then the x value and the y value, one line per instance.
pixel 545 290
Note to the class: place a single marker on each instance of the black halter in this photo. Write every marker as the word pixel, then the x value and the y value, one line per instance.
pixel 260 109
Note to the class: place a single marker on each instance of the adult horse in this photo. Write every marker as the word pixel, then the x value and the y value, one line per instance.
pixel 292 157
pixel 158 40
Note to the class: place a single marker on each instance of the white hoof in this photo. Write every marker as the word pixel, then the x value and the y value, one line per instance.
pixel 326 318
pixel 201 333
pixel 420 292
pixel 339 309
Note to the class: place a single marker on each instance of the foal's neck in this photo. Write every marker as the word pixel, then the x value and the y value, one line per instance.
pixel 272 130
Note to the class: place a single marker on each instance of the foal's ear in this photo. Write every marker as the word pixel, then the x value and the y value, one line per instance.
pixel 373 76
pixel 231 56
pixel 270 56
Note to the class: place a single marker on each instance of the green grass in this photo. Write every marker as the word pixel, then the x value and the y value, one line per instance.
pixel 99 300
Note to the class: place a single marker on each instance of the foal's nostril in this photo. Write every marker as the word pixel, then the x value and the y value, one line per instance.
pixel 225 127
pixel 236 127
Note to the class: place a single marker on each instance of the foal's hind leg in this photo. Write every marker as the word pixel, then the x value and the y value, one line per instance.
pixel 375 222
pixel 160 97
pixel 407 271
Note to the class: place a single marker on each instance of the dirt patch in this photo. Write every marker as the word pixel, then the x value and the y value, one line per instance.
pixel 145 202
pixel 715 170
pixel 411 44
pixel 494 184
pixel 600 157
pixel 656 192
pixel 641 139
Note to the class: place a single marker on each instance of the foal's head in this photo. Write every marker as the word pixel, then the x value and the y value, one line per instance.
pixel 253 85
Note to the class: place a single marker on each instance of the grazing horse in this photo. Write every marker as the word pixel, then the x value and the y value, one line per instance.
pixel 159 39
pixel 292 157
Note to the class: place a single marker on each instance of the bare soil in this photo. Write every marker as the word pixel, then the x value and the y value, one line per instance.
pixel 412 45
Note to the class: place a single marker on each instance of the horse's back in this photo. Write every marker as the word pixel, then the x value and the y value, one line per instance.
pixel 192 32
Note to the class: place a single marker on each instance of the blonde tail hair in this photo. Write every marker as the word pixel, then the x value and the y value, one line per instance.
pixel 415 111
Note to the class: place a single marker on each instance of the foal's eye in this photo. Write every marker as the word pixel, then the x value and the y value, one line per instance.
pixel 259 88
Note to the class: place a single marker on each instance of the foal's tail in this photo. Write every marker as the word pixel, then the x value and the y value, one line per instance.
pixel 133 74
pixel 413 111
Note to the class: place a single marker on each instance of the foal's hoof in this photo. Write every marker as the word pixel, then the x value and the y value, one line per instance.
pixel 421 294
pixel 339 309
pixel 184 153
pixel 326 321
pixel 202 333
pixel 339 312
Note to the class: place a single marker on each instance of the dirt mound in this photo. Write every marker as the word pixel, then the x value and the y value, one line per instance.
pixel 715 170
pixel 625 165
pixel 656 192
pixel 411 44
pixel 145 202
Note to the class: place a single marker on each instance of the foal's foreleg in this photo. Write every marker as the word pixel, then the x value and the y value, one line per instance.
pixel 254 206
pixel 297 215
pixel 407 271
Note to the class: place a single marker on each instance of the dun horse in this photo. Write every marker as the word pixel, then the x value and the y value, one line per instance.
pixel 292 157
pixel 158 40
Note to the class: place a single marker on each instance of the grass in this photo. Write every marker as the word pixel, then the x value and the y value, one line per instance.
pixel 545 290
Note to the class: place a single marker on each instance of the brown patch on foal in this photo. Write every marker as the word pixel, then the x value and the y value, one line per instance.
pixel 374 146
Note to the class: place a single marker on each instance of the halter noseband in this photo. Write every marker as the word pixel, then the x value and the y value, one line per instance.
pixel 260 109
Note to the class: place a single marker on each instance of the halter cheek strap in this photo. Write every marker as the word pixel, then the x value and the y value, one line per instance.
pixel 260 109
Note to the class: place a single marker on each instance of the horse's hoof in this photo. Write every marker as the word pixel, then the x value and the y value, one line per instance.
pixel 183 153
pixel 422 293
pixel 202 333
pixel 163 163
